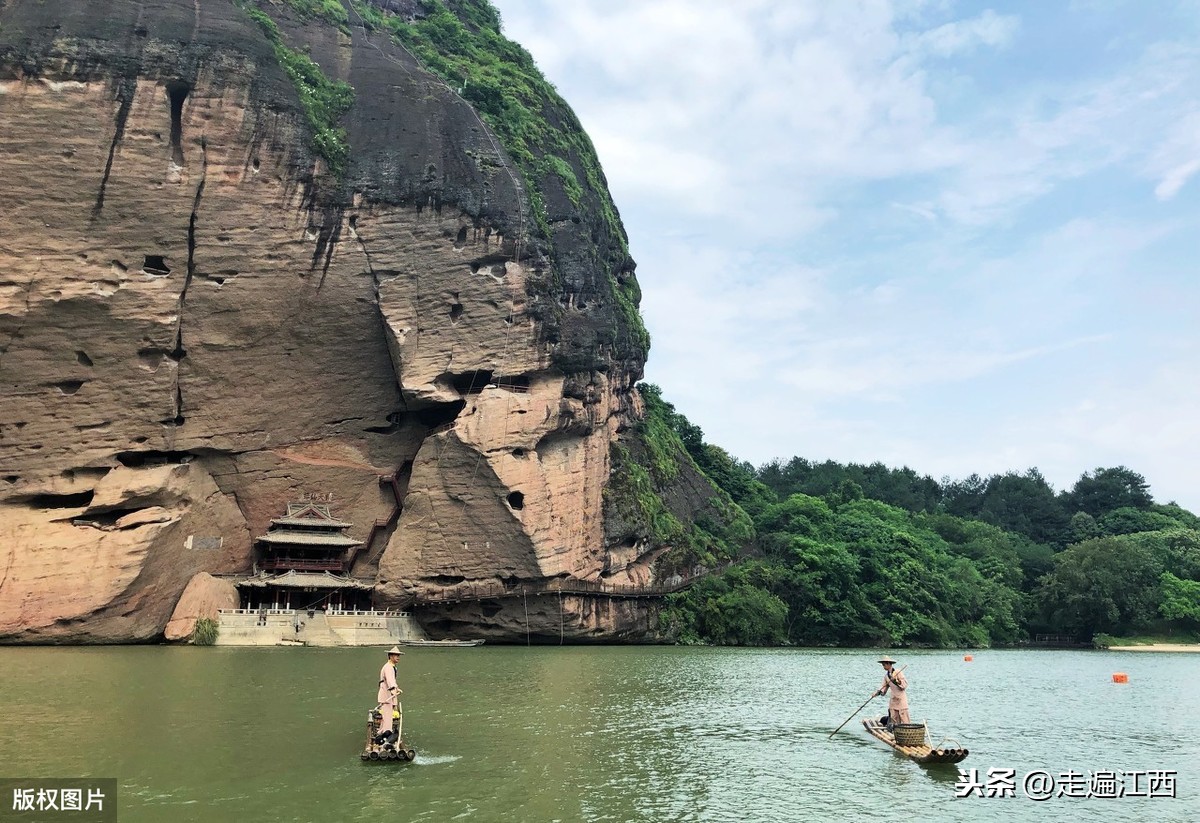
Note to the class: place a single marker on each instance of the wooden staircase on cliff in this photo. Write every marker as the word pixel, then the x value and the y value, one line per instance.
pixel 372 549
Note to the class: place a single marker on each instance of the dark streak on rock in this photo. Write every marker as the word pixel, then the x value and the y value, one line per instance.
pixel 187 278
pixel 125 90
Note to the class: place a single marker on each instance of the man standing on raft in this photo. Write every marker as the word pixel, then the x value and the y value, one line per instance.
pixel 388 697
pixel 895 683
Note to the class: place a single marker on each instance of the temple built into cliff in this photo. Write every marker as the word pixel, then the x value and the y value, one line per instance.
pixel 301 593
pixel 217 292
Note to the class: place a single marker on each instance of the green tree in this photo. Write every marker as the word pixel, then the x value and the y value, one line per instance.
pixel 1025 504
pixel 745 616
pixel 1128 520
pixel 1180 598
pixel 1108 584
pixel 797 515
pixel 1103 490
pixel 1083 527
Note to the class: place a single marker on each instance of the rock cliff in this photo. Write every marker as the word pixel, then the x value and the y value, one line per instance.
pixel 259 250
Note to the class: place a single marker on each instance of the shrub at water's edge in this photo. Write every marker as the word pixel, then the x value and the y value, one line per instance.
pixel 206 631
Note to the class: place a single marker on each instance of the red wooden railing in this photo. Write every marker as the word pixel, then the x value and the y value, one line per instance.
pixel 302 564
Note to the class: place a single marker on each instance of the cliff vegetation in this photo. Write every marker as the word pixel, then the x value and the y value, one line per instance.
pixel 847 554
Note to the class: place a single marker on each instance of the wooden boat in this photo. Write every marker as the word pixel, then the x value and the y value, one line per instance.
pixel 399 752
pixel 442 644
pixel 924 753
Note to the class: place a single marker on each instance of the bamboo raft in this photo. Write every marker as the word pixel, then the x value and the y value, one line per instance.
pixel 924 753
pixel 399 751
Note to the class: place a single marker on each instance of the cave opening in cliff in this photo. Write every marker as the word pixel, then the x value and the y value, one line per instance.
pixel 471 382
pixel 156 264
pixel 439 415
pixel 516 500
pixel 135 460
pixel 177 92
pixel 61 501
pixel 108 518
pixel 514 382
pixel 456 312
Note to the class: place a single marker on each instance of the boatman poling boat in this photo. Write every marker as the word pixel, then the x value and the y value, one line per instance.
pixel 385 722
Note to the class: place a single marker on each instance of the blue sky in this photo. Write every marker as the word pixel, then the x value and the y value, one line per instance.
pixel 939 234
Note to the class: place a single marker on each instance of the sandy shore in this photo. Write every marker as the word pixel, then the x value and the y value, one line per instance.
pixel 1158 647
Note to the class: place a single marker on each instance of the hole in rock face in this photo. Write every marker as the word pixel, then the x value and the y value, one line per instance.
pixel 456 311
pixel 514 382
pixel 516 500
pixel 256 164
pixel 471 382
pixel 518 452
pixel 62 501
pixel 177 92
pixel 69 386
pixel 461 239
pixel 439 415
pixel 133 460
pixel 83 358
pixel 156 265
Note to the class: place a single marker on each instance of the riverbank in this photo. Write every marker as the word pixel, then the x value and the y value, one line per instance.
pixel 1158 647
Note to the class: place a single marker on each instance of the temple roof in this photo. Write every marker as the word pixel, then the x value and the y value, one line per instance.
pixel 310 514
pixel 311 522
pixel 285 537
pixel 306 580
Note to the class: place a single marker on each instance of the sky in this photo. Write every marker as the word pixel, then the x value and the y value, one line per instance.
pixel 934 234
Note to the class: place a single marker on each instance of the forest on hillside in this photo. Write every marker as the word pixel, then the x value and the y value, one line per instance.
pixel 846 554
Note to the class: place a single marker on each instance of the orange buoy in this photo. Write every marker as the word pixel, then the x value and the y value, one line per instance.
pixel 1120 677
pixel 968 658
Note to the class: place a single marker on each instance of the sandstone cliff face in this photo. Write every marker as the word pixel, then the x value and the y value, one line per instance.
pixel 199 322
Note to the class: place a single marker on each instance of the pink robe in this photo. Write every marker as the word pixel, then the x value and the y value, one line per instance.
pixel 898 696
pixel 386 697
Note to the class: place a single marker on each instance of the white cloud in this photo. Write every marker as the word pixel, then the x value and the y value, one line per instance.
pixel 988 29
pixel 1177 158
pixel 860 239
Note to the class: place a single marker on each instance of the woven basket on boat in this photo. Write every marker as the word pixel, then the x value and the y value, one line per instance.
pixel 909 734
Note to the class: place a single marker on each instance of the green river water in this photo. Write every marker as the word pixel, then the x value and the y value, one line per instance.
pixel 590 733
